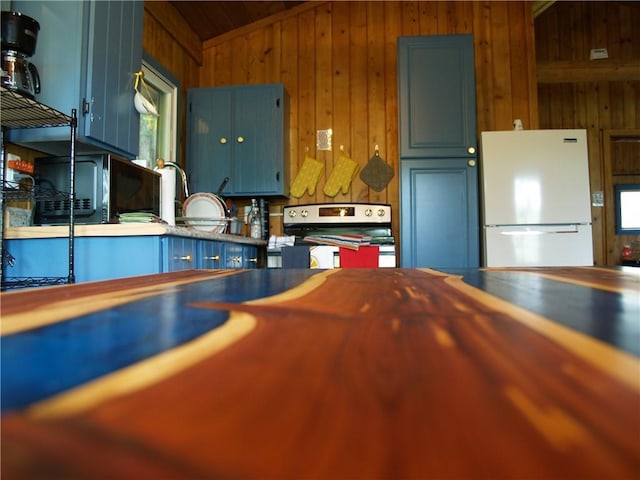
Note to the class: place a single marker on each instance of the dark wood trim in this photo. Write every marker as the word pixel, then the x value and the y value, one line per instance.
pixel 589 71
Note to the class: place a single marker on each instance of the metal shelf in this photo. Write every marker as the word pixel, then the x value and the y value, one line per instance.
pixel 13 191
pixel 18 111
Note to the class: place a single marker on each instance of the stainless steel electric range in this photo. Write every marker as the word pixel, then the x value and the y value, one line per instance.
pixel 371 220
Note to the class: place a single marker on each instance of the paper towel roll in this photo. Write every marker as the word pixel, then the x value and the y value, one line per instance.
pixel 168 195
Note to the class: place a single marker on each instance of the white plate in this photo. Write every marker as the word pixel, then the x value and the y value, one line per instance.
pixel 205 211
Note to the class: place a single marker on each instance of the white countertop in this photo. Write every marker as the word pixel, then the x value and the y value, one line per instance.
pixel 124 229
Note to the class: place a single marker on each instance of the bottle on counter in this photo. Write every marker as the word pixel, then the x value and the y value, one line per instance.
pixel 264 215
pixel 254 220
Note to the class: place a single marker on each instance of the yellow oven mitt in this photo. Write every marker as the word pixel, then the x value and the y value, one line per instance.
pixel 341 176
pixel 307 177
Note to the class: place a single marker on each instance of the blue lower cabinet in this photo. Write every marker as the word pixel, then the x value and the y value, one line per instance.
pixel 95 258
pixel 104 258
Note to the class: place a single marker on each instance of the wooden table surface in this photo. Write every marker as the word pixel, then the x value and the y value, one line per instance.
pixel 337 374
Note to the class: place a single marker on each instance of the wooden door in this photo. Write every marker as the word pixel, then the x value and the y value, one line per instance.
pixel 115 55
pixel 209 138
pixel 439 202
pixel 436 83
pixel 258 140
pixel 439 224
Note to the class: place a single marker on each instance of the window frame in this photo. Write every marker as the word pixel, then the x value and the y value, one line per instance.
pixel 168 132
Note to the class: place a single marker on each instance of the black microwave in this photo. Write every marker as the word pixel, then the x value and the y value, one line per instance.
pixel 106 186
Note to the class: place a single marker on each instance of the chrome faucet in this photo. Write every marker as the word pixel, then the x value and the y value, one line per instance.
pixel 161 163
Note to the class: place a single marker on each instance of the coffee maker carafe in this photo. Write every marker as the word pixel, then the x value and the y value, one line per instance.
pixel 19 35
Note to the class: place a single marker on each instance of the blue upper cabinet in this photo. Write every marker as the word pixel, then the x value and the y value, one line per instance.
pixel 436 82
pixel 87 54
pixel 238 133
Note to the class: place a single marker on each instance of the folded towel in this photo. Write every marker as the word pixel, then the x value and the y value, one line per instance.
pixel 352 242
pixel 278 242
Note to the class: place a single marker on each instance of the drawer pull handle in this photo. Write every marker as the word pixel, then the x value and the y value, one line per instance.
pixel 254 260
pixel 185 258
pixel 215 258
pixel 236 259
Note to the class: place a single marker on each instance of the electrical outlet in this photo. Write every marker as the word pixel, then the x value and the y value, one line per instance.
pixel 598 54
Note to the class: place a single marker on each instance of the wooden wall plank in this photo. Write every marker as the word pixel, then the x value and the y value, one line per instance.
pixel 392 29
pixel 501 54
pixel 306 93
pixel 376 95
pixel 484 64
pixel 323 74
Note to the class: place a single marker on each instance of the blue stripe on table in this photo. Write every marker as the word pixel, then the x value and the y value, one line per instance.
pixel 613 318
pixel 38 363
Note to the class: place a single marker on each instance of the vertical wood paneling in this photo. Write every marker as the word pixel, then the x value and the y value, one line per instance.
pixel 483 64
pixel 342 80
pixel 338 62
pixel 601 106
pixel 376 91
pixel 323 75
pixel 305 95
pixel 358 144
pixel 502 68
pixel 390 150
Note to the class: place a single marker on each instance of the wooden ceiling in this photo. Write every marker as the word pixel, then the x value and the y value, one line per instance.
pixel 209 19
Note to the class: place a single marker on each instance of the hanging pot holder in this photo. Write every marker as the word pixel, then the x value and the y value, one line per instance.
pixel 377 173
pixel 341 176
pixel 307 177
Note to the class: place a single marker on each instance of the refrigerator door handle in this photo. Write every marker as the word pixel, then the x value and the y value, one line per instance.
pixel 537 229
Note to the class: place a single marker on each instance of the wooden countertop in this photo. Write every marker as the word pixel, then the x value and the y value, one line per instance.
pixel 124 229
pixel 336 374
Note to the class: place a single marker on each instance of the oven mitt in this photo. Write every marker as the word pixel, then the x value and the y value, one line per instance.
pixel 341 176
pixel 307 177
pixel 376 174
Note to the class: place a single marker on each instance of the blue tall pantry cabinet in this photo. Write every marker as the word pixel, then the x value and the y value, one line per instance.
pixel 87 54
pixel 239 133
pixel 439 215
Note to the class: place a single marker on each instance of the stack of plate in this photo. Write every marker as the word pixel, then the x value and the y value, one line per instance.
pixel 206 212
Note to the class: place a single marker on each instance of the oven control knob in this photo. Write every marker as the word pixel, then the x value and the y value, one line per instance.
pixel 304 213
pixel 381 212
pixel 292 213
pixel 368 212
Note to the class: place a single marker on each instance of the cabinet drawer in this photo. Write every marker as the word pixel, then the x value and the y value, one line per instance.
pixel 180 254
pixel 241 256
pixel 211 254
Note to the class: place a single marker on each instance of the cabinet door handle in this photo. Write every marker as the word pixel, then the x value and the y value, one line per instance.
pixel 240 139
pixel 471 150
pixel 184 258
pixel 223 140
pixel 236 259
pixel 214 258
pixel 252 260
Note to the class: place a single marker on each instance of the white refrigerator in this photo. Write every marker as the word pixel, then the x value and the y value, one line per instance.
pixel 535 198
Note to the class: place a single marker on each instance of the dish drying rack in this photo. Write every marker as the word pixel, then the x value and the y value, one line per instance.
pixel 215 224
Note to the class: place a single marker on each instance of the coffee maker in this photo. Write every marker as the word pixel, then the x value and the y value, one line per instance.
pixel 19 35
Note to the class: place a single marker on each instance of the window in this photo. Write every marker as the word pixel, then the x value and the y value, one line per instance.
pixel 627 206
pixel 158 134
